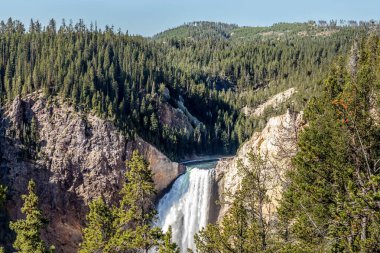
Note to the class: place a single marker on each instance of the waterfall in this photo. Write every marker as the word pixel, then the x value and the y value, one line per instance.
pixel 186 206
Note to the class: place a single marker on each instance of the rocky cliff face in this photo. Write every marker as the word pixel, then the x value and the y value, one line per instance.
pixel 276 144
pixel 74 158
pixel 174 118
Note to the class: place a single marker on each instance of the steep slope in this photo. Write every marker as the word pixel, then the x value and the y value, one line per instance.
pixel 128 78
pixel 232 32
pixel 272 102
pixel 276 144
pixel 198 30
pixel 73 157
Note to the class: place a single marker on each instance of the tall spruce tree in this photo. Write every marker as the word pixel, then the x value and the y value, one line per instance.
pixel 3 195
pixel 127 227
pixel 167 246
pixel 235 234
pixel 27 230
pixel 136 213
pixel 99 228
pixel 244 228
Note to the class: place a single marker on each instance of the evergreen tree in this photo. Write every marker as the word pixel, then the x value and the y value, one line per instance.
pixel 3 193
pixel 28 230
pixel 99 228
pixel 167 246
pixel 134 230
pixel 234 234
pixel 244 228
pixel 127 227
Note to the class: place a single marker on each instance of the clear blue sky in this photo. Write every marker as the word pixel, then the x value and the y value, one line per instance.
pixel 147 17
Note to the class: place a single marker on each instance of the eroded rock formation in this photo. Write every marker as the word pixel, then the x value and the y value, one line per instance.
pixel 76 157
pixel 276 144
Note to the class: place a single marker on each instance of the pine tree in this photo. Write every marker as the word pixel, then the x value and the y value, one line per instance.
pixel 136 213
pixel 167 246
pixel 244 228
pixel 153 123
pixel 234 234
pixel 127 227
pixel 99 228
pixel 28 230
pixel 3 193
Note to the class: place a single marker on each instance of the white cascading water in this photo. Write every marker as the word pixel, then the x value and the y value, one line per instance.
pixel 186 206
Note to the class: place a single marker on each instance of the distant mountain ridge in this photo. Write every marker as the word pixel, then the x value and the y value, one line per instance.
pixel 198 29
pixel 224 31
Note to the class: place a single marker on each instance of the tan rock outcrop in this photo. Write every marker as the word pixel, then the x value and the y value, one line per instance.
pixel 276 144
pixel 81 157
pixel 174 118
pixel 272 102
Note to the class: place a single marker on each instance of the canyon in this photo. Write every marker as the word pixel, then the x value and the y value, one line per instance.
pixel 82 157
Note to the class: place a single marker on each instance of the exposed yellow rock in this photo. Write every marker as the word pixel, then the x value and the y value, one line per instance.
pixel 276 144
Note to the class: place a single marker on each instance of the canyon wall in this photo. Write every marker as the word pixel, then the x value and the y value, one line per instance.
pixel 74 157
pixel 276 144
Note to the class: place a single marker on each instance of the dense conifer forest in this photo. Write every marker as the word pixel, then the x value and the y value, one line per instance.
pixel 215 69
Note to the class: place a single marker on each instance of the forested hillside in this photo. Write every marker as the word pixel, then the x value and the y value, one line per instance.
pixel 332 200
pixel 331 197
pixel 128 79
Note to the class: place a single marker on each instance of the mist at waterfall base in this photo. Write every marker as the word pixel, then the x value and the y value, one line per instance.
pixel 186 206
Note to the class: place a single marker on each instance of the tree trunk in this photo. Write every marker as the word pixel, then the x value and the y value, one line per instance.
pixel 363 234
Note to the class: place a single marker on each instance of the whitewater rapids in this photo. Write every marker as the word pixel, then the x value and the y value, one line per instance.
pixel 186 206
